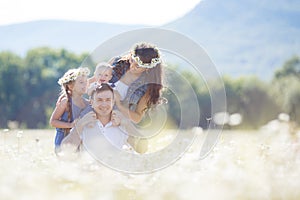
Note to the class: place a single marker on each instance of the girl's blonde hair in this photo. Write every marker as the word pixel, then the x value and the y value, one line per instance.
pixel 73 74
pixel 103 65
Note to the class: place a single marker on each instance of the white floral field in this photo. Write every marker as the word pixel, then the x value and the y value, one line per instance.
pixel 261 164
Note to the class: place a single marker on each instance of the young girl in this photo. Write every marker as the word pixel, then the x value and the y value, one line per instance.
pixel 70 104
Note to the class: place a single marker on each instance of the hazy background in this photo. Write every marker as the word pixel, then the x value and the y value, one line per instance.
pixel 254 44
pixel 255 47
pixel 245 37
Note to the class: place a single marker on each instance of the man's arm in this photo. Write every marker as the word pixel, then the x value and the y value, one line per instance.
pixel 73 139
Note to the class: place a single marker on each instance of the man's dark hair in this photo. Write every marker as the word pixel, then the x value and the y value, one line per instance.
pixel 100 88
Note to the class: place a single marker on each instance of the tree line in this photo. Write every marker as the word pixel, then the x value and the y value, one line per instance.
pixel 29 89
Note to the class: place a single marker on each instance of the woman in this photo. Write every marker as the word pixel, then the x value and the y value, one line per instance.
pixel 138 79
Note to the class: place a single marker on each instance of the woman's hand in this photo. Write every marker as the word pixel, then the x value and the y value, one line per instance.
pixel 116 118
pixel 117 98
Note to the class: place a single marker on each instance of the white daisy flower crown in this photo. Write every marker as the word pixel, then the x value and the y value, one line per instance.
pixel 73 74
pixel 154 62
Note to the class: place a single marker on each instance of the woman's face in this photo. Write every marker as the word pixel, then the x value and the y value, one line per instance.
pixel 134 67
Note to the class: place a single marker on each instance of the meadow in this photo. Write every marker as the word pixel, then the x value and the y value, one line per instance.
pixel 262 164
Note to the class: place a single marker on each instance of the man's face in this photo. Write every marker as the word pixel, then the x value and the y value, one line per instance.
pixel 103 103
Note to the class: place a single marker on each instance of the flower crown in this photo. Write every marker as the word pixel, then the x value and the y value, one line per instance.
pixel 154 62
pixel 73 74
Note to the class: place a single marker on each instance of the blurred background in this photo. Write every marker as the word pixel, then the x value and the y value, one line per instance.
pixel 254 44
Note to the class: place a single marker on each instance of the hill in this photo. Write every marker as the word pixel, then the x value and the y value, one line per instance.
pixel 242 37
pixel 73 35
pixel 245 37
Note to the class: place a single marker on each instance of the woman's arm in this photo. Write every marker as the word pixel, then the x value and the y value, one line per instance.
pixel 137 115
pixel 57 113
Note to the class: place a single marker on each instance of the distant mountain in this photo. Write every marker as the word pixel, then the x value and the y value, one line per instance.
pixel 75 36
pixel 246 36
pixel 242 37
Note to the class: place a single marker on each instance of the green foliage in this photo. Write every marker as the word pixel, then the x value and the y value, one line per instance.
pixel 11 86
pixel 254 103
pixel 290 68
pixel 29 89
pixel 249 97
pixel 29 86
pixel 286 88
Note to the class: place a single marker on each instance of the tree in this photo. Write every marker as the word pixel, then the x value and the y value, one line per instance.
pixel 43 68
pixel 11 87
pixel 257 104
pixel 290 68
pixel 286 92
pixel 28 86
pixel 249 97
pixel 286 88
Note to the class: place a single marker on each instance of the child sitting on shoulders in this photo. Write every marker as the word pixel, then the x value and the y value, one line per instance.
pixel 102 74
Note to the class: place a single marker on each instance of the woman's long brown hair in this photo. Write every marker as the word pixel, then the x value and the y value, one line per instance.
pixel 146 52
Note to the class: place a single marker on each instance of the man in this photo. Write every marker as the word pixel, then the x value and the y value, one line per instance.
pixel 102 101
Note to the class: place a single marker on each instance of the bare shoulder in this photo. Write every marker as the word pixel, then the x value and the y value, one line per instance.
pixel 63 102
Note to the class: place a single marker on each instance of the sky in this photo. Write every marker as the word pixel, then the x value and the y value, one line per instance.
pixel 144 12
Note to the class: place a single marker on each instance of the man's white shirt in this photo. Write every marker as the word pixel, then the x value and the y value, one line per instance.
pixel 113 134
